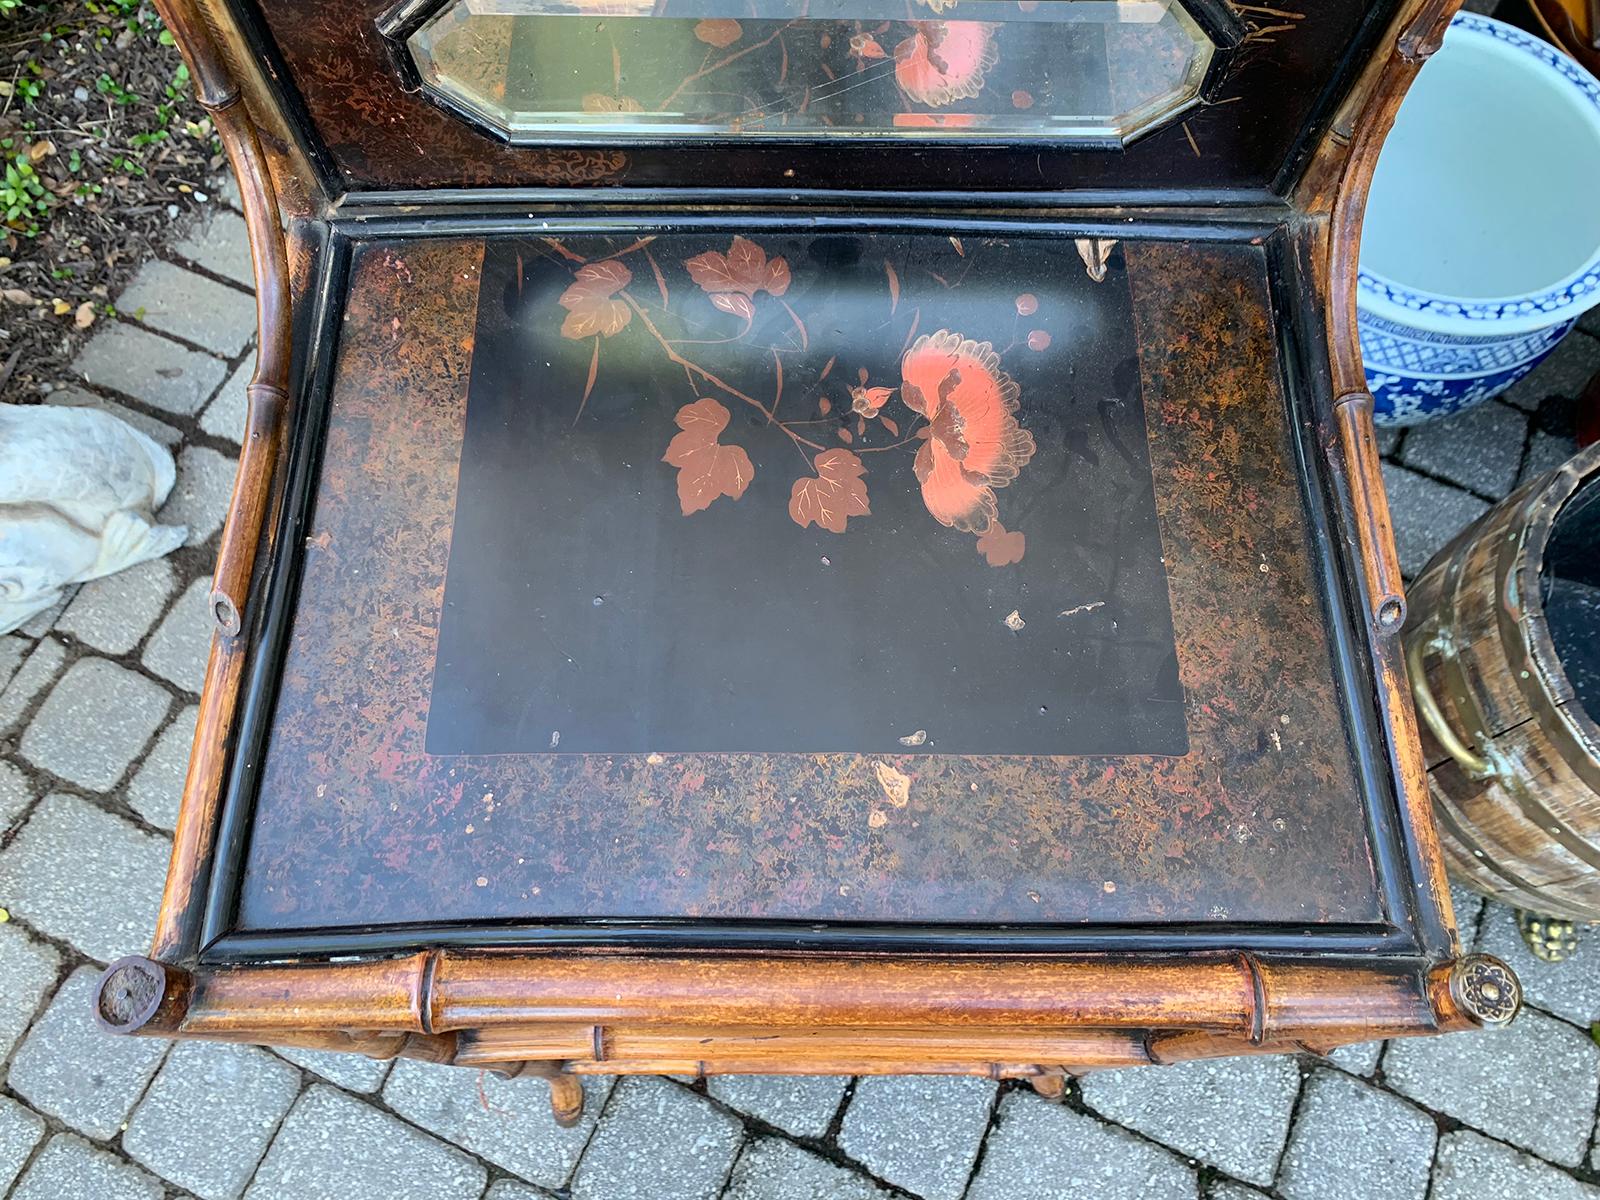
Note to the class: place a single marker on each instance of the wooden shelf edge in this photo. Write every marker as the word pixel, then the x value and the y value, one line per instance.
pixel 752 1013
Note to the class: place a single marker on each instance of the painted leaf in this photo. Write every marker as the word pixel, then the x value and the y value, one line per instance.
pixel 1002 546
pixel 837 492
pixel 706 468
pixel 720 33
pixel 744 269
pixel 732 302
pixel 591 303
pixel 776 281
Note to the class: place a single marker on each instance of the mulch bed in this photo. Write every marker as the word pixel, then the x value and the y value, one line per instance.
pixel 105 152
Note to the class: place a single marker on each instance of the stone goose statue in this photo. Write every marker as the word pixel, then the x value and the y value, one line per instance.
pixel 78 494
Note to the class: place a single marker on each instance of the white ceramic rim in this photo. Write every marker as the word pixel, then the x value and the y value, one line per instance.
pixel 1566 300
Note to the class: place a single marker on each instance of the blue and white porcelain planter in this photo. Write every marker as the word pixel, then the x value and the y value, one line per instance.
pixel 1481 243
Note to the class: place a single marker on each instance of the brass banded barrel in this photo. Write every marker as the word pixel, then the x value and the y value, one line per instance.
pixel 1513 757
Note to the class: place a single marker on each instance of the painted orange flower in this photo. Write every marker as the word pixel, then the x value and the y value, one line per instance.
pixel 944 61
pixel 972 443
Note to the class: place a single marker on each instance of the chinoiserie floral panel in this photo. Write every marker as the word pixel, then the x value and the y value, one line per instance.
pixel 805 493
pixel 836 575
pixel 1100 68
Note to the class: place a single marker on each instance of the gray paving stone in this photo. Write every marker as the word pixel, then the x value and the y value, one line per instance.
pixel 1230 1112
pixel 78 873
pixel 507 1121
pixel 1546 452
pixel 1570 366
pixel 156 788
pixel 220 242
pixel 1479 448
pixel 94 722
pixel 510 1189
pixel 190 306
pixel 73 397
pixel 200 497
pixel 13 649
pixel 352 1072
pixel 227 191
pixel 28 968
pixel 68 1068
pixel 178 649
pixel 1040 1150
pixel 1226 1189
pixel 1387 438
pixel 149 368
pixel 1570 989
pixel 69 1168
pixel 1361 1058
pixel 773 1169
pixel 919 1132
pixel 224 416
pixel 333 1145
pixel 16 793
pixel 42 623
pixel 1426 515
pixel 113 614
pixel 35 674
pixel 799 1104
pixel 1533 1084
pixel 208 1117
pixel 1474 1168
pixel 1353 1142
pixel 657 1141
pixel 21 1129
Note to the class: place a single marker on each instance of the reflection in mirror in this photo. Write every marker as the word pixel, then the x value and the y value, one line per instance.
pixel 1085 69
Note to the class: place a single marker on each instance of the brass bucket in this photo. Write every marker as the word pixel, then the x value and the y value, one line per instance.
pixel 1513 758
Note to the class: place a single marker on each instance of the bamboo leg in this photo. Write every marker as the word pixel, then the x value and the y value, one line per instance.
pixel 1051 1087
pixel 566 1091
pixel 566 1099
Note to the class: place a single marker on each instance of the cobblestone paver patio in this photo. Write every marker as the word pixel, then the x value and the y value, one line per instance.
pixel 97 705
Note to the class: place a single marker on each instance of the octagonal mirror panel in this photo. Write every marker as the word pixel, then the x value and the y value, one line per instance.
pixel 539 70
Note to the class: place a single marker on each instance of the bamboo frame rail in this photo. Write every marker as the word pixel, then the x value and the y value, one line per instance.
pixel 268 389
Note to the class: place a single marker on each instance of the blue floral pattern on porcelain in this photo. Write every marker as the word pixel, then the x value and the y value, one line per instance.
pixel 1415 373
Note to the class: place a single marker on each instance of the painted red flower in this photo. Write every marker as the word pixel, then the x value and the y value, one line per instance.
pixel 972 443
pixel 944 61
